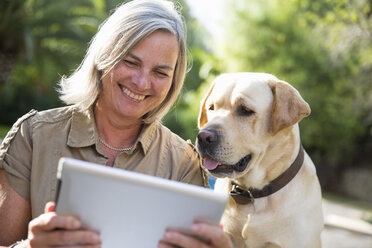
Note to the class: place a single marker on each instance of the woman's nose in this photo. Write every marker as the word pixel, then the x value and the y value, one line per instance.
pixel 143 80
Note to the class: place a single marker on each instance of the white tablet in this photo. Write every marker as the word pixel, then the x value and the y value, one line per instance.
pixel 130 209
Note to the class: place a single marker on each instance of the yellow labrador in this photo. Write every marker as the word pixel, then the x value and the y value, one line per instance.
pixel 249 139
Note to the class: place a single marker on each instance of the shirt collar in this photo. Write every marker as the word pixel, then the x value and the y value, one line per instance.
pixel 83 132
pixel 147 134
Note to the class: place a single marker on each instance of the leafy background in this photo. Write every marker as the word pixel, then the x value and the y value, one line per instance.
pixel 322 47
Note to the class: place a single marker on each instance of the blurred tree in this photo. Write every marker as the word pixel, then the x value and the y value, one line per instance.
pixel 11 37
pixel 323 48
pixel 47 39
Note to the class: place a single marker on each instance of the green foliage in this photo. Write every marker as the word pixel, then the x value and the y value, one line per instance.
pixel 48 39
pixel 3 131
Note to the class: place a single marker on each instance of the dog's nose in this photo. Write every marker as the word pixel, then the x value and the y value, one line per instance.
pixel 207 137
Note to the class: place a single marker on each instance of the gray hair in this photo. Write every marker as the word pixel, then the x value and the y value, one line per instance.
pixel 126 27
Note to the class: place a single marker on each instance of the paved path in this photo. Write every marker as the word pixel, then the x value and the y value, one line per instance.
pixel 345 228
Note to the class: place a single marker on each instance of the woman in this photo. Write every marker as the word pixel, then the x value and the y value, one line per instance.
pixel 131 75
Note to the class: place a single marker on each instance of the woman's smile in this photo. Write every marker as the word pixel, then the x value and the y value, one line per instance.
pixel 133 96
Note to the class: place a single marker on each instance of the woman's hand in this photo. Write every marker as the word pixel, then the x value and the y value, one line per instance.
pixel 50 230
pixel 214 234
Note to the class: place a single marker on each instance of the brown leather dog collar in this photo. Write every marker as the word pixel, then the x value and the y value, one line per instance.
pixel 245 196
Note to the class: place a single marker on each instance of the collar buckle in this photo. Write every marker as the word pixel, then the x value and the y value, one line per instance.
pixel 240 195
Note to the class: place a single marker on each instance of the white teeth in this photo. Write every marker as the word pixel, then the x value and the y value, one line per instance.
pixel 132 95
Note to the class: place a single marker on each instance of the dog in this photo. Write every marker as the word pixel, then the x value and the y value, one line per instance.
pixel 249 140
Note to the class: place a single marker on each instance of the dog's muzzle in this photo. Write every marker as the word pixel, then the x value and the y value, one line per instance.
pixel 207 143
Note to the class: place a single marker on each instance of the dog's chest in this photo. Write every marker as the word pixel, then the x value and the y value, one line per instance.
pixel 236 217
pixel 249 224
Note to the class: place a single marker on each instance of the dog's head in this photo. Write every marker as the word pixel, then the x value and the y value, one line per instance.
pixel 240 116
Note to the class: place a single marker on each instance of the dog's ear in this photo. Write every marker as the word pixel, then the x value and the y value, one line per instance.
pixel 288 106
pixel 202 119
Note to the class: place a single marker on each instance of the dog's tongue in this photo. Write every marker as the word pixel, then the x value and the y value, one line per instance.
pixel 210 163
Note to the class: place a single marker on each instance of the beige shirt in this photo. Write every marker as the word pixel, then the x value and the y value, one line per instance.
pixel 31 150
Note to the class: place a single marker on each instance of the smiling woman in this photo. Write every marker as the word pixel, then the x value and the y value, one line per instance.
pixel 130 77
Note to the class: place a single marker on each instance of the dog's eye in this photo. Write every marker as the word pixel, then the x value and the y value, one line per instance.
pixel 211 107
pixel 244 111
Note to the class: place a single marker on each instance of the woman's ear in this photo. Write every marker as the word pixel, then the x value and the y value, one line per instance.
pixel 288 106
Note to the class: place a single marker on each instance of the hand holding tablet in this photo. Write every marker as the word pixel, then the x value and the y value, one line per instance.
pixel 131 208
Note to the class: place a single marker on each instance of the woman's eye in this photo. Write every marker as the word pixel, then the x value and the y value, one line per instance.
pixel 162 74
pixel 129 63
pixel 244 111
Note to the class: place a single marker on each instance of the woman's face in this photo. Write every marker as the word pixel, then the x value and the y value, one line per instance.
pixel 141 81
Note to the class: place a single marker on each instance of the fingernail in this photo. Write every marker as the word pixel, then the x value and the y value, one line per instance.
pixel 220 226
pixel 75 223
pixel 95 237
pixel 168 235
pixel 195 228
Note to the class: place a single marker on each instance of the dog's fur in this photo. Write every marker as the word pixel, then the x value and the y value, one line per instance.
pixel 257 114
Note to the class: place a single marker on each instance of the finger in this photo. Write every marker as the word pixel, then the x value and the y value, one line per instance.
pixel 165 244
pixel 50 221
pixel 188 232
pixel 184 241
pixel 49 207
pixel 215 233
pixel 79 246
pixel 80 238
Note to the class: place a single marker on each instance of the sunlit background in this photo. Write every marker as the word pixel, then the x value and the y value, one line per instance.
pixel 210 14
pixel 322 47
